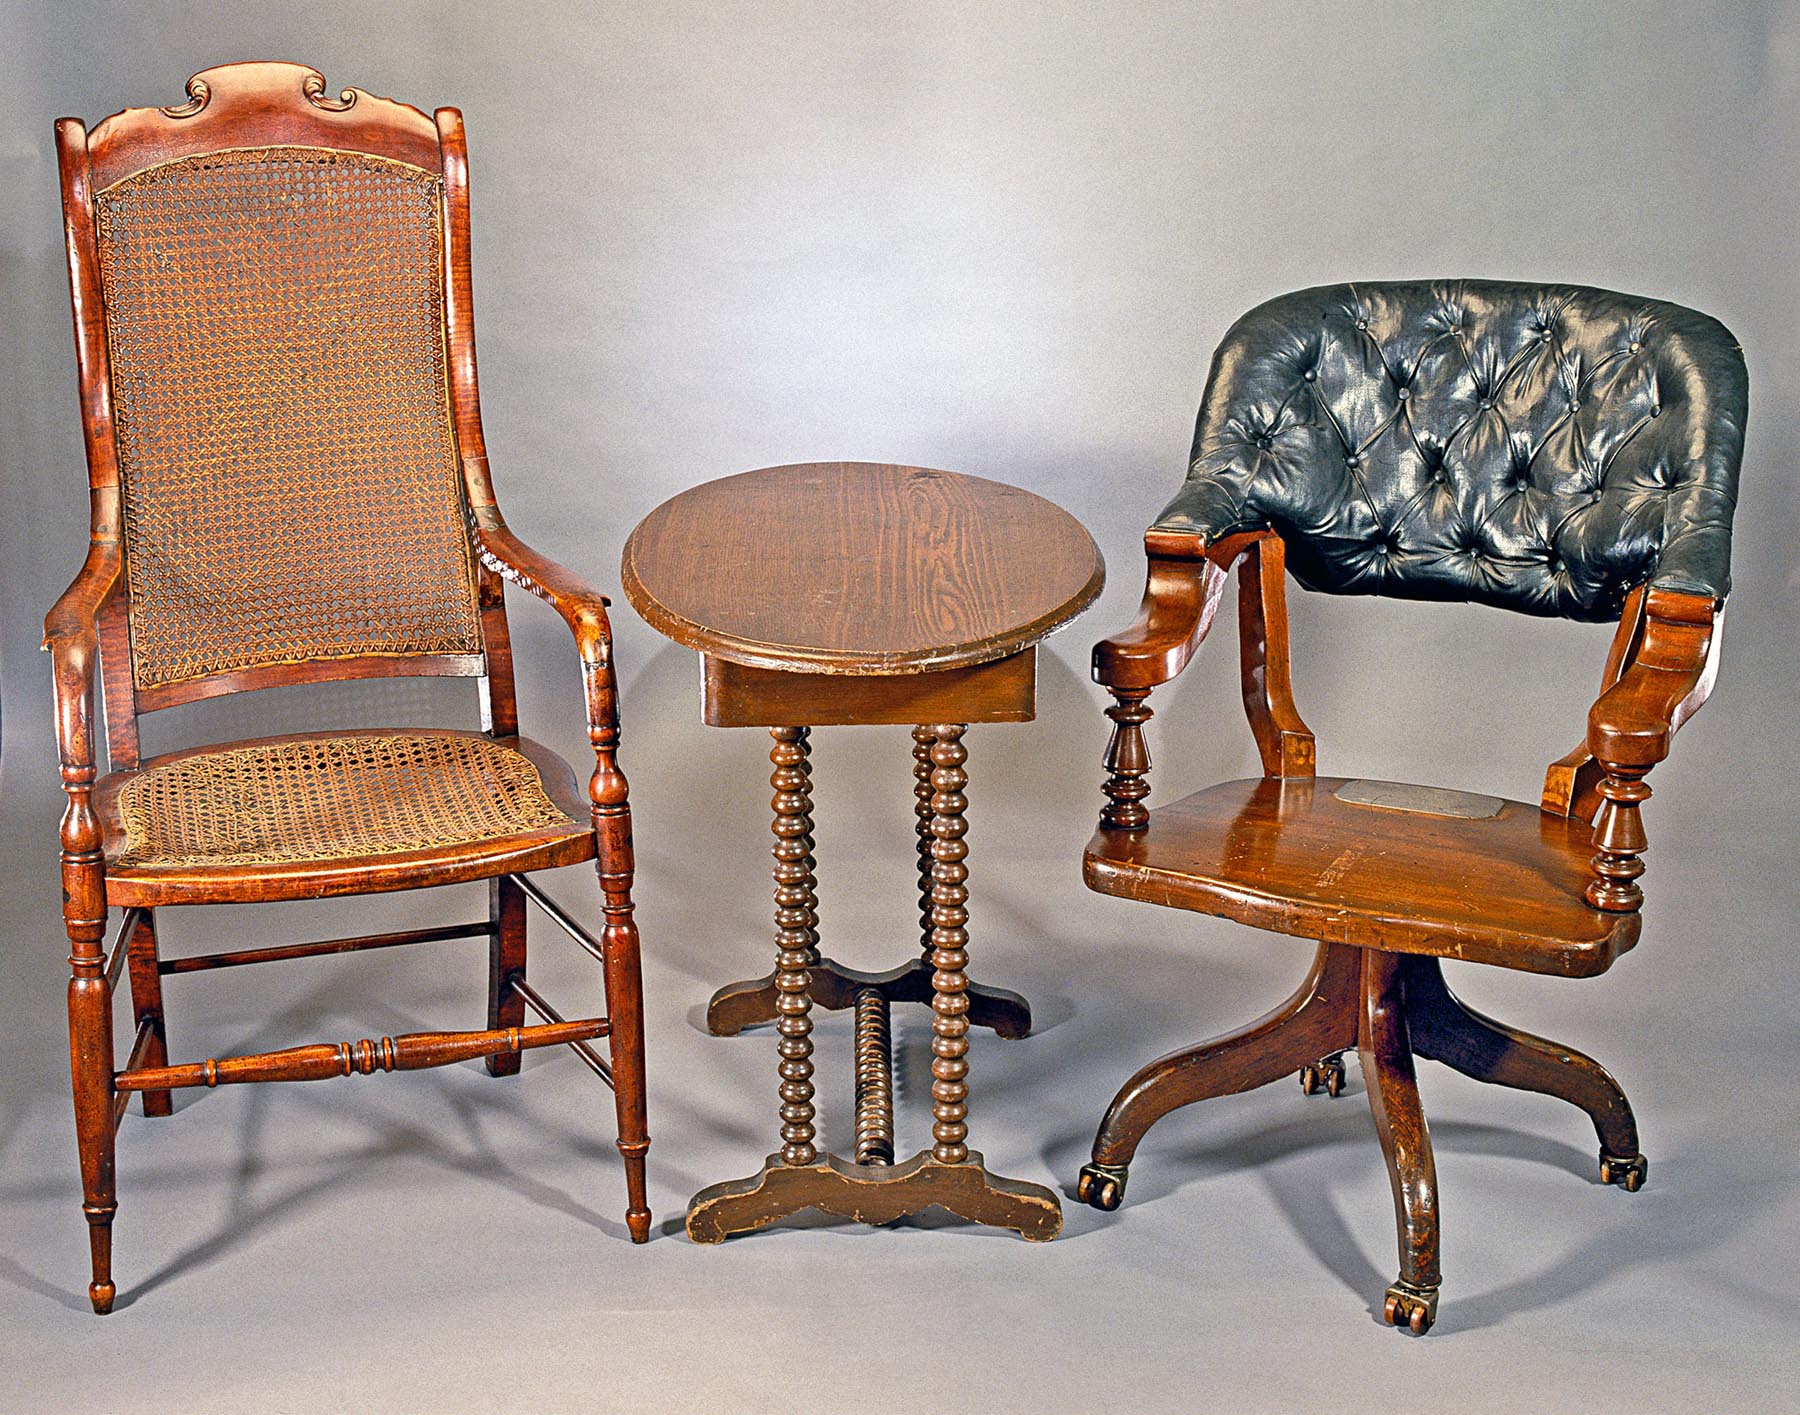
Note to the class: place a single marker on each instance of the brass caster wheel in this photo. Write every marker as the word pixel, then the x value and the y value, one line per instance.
pixel 1102 1186
pixel 1628 1174
pixel 1326 1075
pixel 1414 1308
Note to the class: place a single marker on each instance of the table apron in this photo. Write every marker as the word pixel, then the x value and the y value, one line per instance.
pixel 736 695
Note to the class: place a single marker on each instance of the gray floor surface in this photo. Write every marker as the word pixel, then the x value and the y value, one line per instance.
pixel 450 1242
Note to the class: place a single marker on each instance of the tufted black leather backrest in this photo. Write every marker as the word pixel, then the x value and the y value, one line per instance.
pixel 1544 448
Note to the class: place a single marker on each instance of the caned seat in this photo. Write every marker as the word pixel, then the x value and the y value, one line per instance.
pixel 306 815
pixel 1485 880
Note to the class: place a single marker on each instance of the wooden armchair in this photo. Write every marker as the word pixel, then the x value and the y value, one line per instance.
pixel 275 344
pixel 1546 449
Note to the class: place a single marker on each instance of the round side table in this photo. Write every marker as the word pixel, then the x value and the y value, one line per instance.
pixel 845 593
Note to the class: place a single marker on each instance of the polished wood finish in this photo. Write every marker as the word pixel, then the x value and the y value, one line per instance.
pixel 834 987
pixel 89 638
pixel 1000 690
pixel 1384 1047
pixel 949 946
pixel 1288 855
pixel 796 938
pixel 1388 879
pixel 874 1193
pixel 905 569
pixel 839 594
pixel 321 1061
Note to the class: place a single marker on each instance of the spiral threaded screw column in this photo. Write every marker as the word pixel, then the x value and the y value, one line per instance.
pixel 874 1080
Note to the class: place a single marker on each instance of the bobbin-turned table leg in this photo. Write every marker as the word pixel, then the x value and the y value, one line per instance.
pixel 871 1188
pixel 836 986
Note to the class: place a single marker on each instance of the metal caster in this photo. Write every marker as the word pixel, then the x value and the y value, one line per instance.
pixel 1326 1075
pixel 1101 1186
pixel 1628 1174
pixel 1414 1308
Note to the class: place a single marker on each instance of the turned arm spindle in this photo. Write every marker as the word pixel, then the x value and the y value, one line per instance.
pixel 1631 729
pixel 1182 593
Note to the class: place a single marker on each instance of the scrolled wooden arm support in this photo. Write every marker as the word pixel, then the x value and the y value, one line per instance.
pixel 1185 584
pixel 72 639
pixel 1632 726
pixel 584 610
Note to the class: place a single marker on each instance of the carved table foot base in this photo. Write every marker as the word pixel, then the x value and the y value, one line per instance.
pixel 873 1193
pixel 834 987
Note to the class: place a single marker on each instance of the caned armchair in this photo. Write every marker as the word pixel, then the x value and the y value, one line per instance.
pixel 1546 449
pixel 288 484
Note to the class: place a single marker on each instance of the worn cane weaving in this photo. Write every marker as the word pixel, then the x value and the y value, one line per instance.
pixel 331 798
pixel 276 330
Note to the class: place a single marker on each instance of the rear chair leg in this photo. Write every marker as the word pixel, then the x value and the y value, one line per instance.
pixel 506 961
pixel 142 964
pixel 1385 1050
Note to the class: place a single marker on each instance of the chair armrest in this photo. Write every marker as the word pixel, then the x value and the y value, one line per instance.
pixel 582 606
pixel 1181 598
pixel 1633 723
pixel 1631 727
pixel 72 639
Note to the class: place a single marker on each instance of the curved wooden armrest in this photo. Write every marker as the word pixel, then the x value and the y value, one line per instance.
pixel 1631 727
pixel 582 607
pixel 1633 723
pixel 1181 598
pixel 72 639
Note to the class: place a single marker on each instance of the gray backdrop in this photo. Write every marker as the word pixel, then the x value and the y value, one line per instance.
pixel 1001 238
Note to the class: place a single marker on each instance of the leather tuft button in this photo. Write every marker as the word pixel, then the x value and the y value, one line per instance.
pixel 1635 346
pixel 1656 410
pixel 1487 402
pixel 1403 393
pixel 1362 324
pixel 1265 442
pixel 1352 461
pixel 1311 375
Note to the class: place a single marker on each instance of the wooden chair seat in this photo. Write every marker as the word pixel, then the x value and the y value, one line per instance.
pixel 307 815
pixel 1498 882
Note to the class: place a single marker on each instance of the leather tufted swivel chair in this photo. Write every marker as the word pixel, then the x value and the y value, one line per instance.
pixel 1541 448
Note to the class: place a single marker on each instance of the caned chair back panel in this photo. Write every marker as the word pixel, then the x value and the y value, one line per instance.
pixel 1544 448
pixel 275 332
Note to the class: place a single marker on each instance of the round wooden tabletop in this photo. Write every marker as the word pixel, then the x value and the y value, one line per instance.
pixel 859 568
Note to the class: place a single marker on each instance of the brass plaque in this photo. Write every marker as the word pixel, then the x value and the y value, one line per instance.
pixel 1419 800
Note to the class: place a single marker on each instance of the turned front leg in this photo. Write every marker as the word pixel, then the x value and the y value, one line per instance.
pixel 949 946
pixel 796 937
